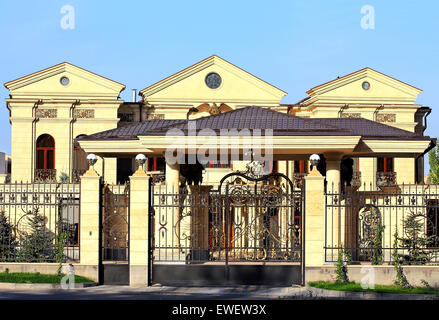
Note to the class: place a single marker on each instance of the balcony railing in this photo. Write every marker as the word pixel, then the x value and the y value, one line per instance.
pixel 45 175
pixel 298 179
pixel 157 177
pixel 356 179
pixel 386 179
pixel 76 175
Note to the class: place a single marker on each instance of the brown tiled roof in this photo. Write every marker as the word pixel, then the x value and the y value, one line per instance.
pixel 368 128
pixel 252 118
pixel 131 131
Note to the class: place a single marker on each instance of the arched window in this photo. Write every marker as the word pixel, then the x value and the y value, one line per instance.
pixel 45 152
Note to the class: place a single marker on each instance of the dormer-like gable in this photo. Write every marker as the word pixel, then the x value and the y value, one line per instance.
pixel 64 81
pixel 365 86
pixel 213 80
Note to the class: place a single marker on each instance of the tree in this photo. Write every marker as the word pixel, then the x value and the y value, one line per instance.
pixel 433 160
pixel 38 245
pixel 8 242
pixel 415 241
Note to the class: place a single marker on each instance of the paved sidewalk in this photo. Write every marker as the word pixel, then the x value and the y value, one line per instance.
pixel 196 293
pixel 149 293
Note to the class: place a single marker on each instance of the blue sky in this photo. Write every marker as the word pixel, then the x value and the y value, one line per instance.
pixel 294 45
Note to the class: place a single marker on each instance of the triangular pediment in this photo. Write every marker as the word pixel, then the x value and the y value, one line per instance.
pixel 349 89
pixel 237 85
pixel 81 84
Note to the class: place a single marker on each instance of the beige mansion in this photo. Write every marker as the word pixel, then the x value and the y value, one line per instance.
pixel 53 111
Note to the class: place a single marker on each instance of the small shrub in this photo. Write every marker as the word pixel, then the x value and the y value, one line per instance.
pixel 377 253
pixel 341 270
pixel 63 177
pixel 60 241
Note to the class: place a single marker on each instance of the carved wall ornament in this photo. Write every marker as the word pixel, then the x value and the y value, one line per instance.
pixel 84 113
pixel 155 116
pixel 46 113
pixel 350 115
pixel 386 117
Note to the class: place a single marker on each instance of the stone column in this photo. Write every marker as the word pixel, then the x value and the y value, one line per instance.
pixel 89 226
pixel 172 177
pixel 405 170
pixel 314 219
pixel 139 231
pixel 368 169
pixel 110 174
pixel 333 161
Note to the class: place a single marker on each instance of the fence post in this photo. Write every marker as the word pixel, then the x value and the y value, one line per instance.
pixel 314 219
pixel 139 206
pixel 89 220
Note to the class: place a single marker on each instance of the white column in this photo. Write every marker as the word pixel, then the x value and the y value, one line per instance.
pixel 333 161
pixel 172 176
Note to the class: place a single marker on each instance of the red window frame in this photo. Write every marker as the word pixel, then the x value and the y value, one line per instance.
pixel 386 164
pixel 45 150
pixel 303 166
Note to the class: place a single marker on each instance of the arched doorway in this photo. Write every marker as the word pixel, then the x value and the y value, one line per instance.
pixel 45 166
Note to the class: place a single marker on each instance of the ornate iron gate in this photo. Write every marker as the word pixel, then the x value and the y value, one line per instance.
pixel 248 230
pixel 114 234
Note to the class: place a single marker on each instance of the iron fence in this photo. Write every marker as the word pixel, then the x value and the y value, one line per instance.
pixel 39 222
pixel 380 225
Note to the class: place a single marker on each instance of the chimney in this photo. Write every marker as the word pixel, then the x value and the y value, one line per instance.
pixel 134 95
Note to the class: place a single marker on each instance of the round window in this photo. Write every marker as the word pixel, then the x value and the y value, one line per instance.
pixel 366 85
pixel 213 80
pixel 64 81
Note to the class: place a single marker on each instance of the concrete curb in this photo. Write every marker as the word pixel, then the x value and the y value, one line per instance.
pixel 347 295
pixel 37 286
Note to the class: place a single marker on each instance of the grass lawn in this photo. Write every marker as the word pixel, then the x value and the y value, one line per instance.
pixel 356 287
pixel 36 278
